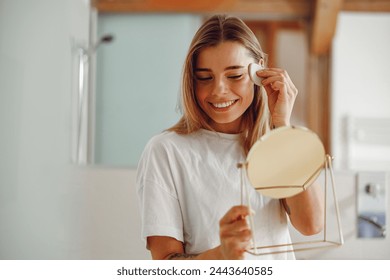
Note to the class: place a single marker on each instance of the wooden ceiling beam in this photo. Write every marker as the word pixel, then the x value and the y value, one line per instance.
pixel 294 8
pixel 324 25
pixel 287 8
pixel 366 5
pixel 323 13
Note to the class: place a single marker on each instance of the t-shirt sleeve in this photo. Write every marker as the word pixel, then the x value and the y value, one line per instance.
pixel 157 195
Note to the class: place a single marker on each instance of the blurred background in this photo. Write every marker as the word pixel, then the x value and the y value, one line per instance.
pixel 84 84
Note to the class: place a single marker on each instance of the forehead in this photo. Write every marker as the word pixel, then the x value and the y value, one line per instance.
pixel 224 54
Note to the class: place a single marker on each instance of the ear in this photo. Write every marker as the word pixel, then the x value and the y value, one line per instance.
pixel 261 62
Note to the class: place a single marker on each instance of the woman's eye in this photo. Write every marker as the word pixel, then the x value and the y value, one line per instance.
pixel 203 78
pixel 235 77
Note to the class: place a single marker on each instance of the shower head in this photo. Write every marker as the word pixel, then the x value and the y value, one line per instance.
pixel 85 51
pixel 108 38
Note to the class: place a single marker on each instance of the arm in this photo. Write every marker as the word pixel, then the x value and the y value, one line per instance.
pixel 234 235
pixel 307 210
pixel 281 94
pixel 168 248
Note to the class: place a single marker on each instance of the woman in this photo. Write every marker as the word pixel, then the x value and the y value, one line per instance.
pixel 188 181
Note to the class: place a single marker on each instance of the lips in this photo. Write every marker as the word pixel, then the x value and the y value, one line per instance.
pixel 223 105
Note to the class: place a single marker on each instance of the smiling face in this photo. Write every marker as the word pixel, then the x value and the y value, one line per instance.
pixel 223 87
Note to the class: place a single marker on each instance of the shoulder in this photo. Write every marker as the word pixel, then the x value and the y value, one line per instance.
pixel 167 139
pixel 162 154
pixel 166 144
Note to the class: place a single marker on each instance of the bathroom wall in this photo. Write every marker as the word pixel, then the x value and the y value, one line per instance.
pixel 360 92
pixel 360 89
pixel 354 248
pixel 50 208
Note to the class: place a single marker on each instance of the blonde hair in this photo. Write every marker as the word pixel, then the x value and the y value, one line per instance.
pixel 215 30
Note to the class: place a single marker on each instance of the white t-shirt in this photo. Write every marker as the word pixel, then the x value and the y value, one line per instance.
pixel 187 183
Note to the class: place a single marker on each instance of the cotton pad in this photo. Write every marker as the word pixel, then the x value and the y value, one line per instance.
pixel 252 69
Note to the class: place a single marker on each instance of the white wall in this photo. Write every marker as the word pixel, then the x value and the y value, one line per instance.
pixel 291 55
pixel 50 209
pixel 360 88
pixel 354 248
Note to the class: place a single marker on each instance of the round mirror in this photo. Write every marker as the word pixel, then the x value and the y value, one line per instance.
pixel 285 161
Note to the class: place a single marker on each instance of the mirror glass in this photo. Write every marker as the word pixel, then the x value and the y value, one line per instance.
pixel 137 77
pixel 295 152
pixel 137 82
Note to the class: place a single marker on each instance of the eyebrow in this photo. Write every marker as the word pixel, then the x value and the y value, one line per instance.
pixel 227 68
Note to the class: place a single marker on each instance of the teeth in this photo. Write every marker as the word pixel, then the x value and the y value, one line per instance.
pixel 223 104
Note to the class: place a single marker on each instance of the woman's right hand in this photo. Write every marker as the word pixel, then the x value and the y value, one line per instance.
pixel 234 232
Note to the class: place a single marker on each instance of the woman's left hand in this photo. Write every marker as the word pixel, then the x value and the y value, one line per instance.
pixel 281 94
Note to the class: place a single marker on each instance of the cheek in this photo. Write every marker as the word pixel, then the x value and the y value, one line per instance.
pixel 247 100
pixel 199 95
pixel 246 91
pixel 201 92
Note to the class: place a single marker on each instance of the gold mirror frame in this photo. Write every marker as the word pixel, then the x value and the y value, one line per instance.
pixel 281 164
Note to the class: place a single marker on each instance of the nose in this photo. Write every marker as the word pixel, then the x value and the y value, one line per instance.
pixel 220 87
